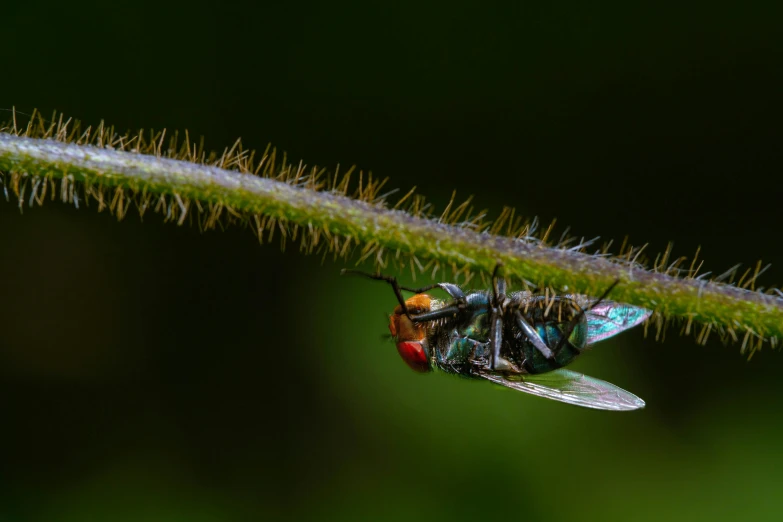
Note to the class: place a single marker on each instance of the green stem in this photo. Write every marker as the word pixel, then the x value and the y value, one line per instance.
pixel 739 313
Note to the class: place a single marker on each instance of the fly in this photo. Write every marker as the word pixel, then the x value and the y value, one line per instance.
pixel 521 340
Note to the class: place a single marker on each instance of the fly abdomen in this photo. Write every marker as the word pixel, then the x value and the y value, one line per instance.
pixel 565 350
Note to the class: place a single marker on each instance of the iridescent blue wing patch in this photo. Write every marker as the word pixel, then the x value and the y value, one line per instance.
pixel 572 388
pixel 609 318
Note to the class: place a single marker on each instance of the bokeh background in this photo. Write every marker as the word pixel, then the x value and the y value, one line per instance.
pixel 151 372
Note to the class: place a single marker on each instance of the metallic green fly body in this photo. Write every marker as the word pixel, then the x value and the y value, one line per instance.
pixel 521 340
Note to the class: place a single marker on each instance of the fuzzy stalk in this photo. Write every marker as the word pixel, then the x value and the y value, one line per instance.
pixel 740 313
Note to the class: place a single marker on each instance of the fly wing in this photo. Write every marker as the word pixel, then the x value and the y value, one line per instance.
pixel 572 388
pixel 608 318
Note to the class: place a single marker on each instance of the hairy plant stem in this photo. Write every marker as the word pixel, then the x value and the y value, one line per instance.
pixel 725 308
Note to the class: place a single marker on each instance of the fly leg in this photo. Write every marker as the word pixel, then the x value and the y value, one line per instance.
pixel 533 336
pixel 453 290
pixel 389 279
pixel 496 312
pixel 578 317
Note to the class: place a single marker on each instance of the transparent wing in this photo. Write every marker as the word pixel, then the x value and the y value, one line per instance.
pixel 572 388
pixel 608 318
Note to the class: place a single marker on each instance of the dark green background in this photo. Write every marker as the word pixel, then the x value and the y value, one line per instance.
pixel 150 372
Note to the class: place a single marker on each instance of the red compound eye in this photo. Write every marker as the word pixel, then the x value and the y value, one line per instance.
pixel 414 354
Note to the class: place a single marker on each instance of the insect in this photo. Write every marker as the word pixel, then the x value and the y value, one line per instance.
pixel 521 340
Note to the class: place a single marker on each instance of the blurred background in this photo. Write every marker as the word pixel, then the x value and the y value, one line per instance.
pixel 151 372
